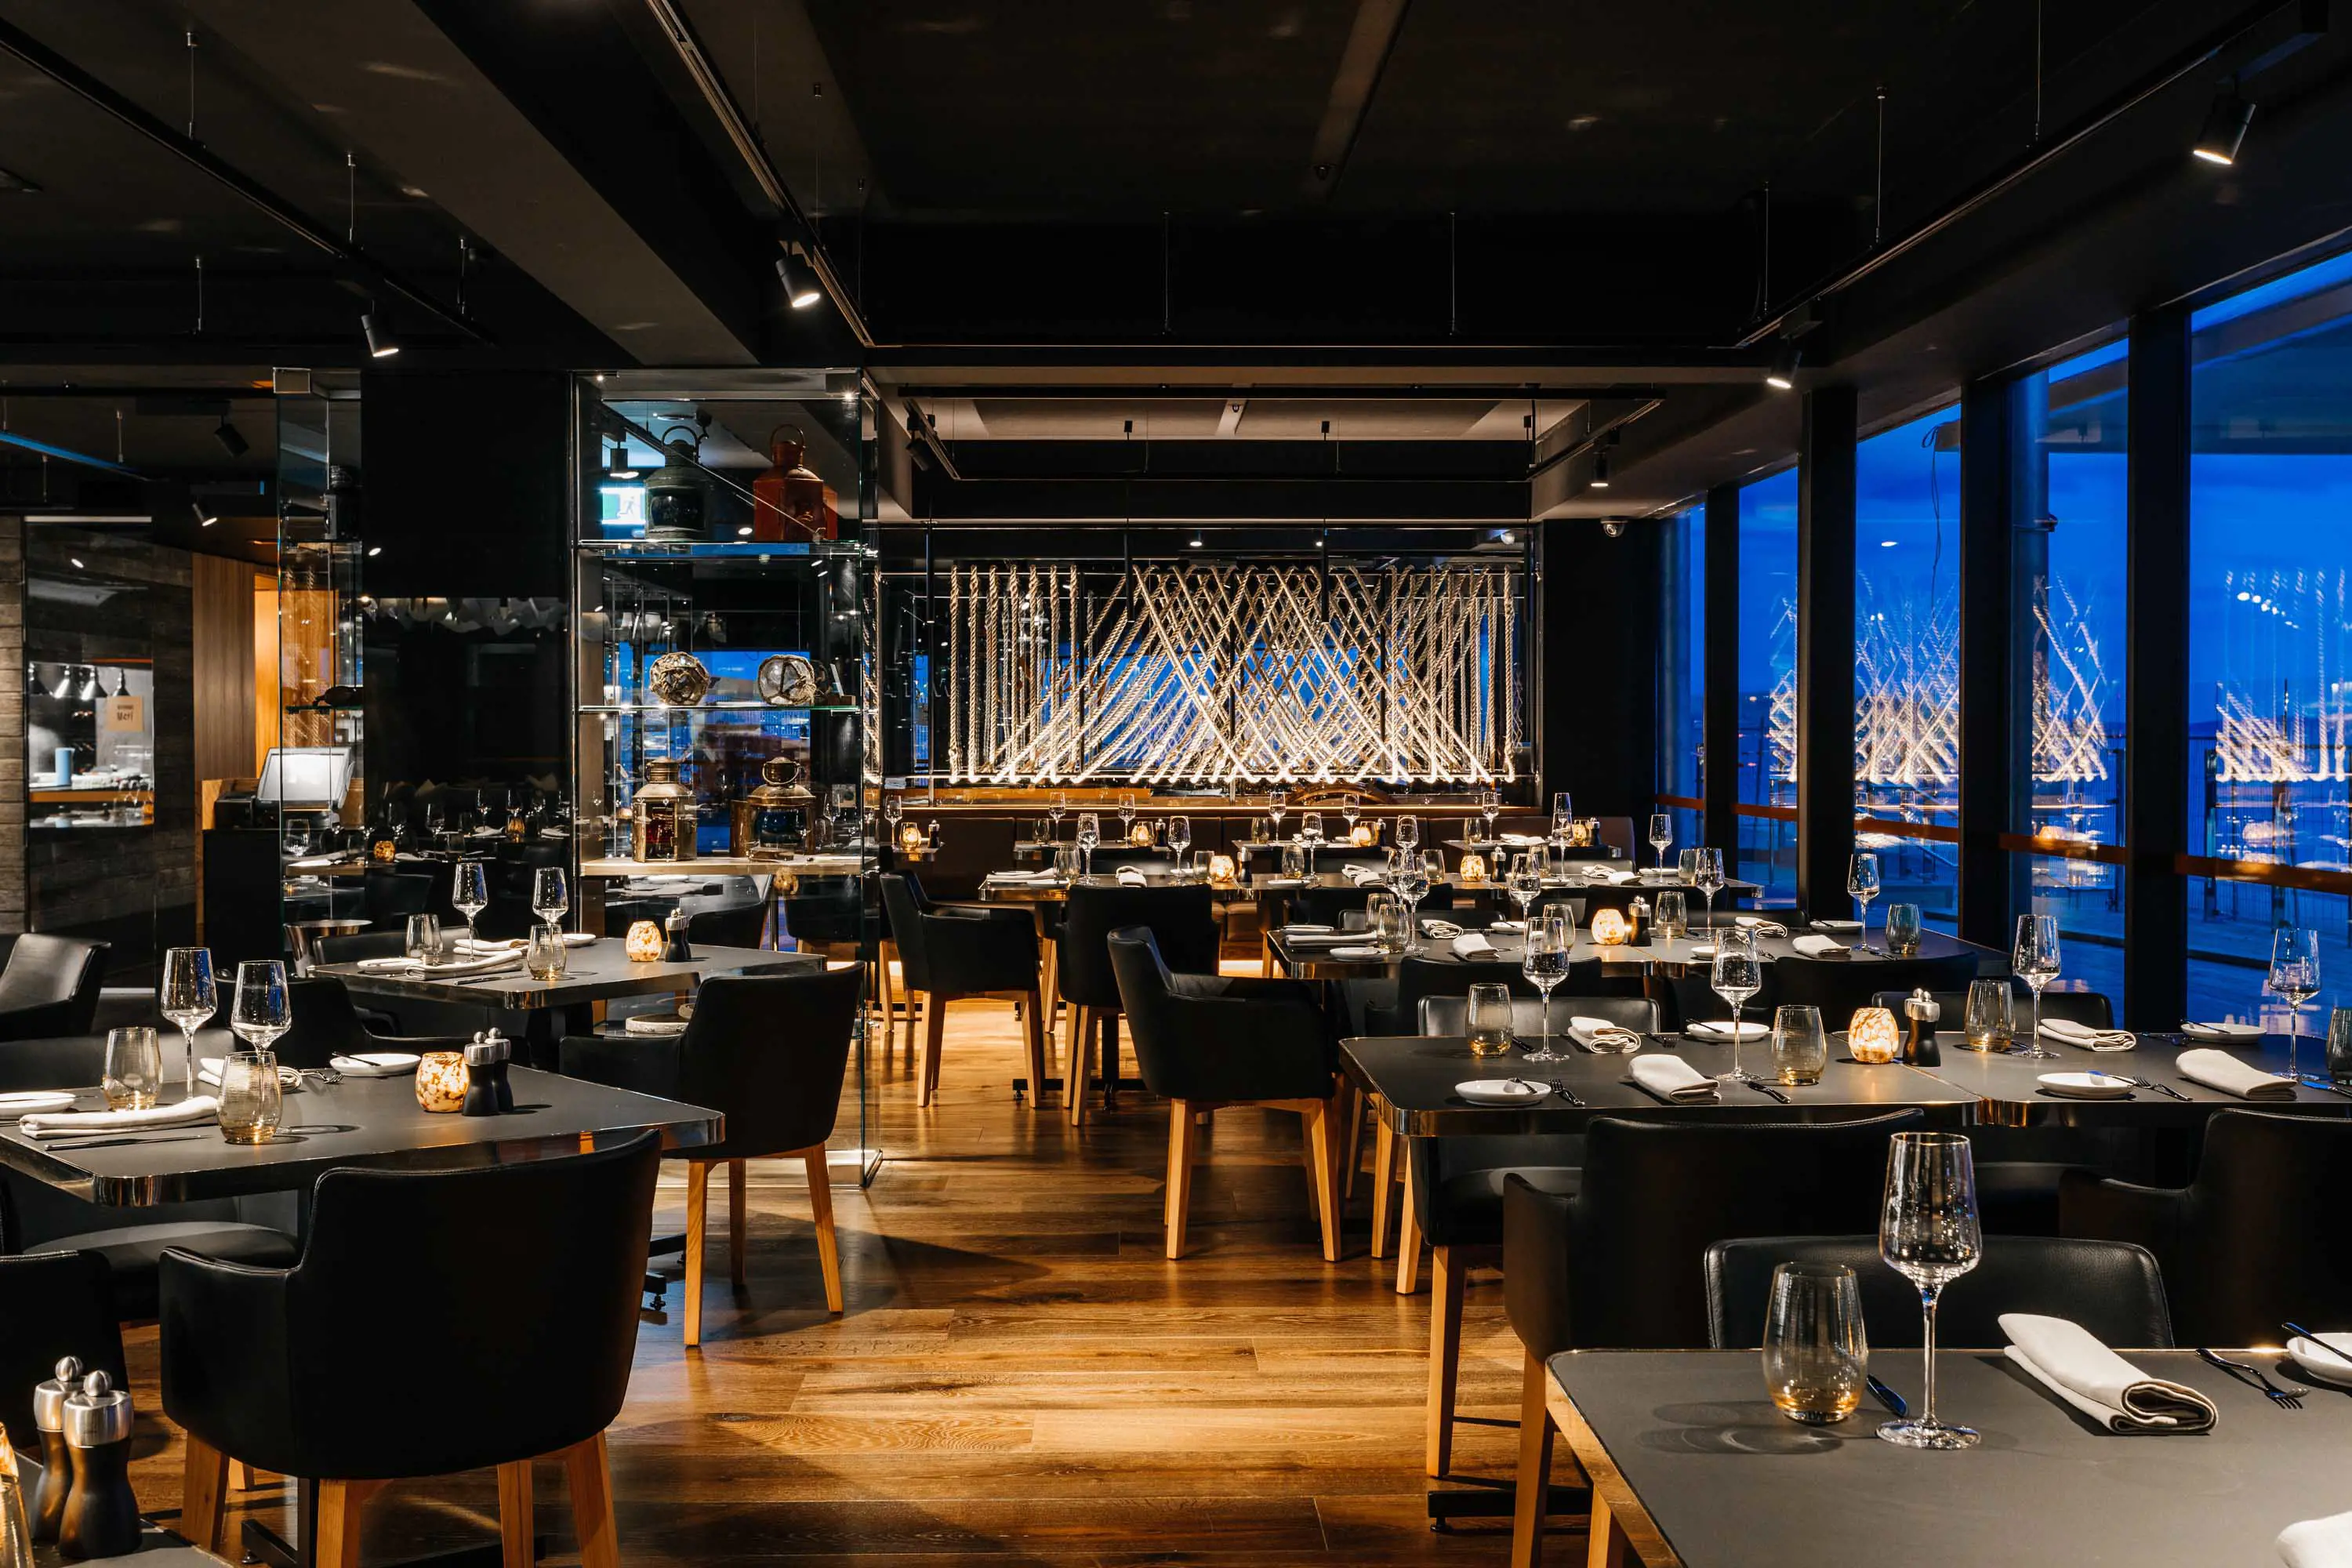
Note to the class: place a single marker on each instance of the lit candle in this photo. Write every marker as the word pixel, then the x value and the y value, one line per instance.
pixel 1872 1035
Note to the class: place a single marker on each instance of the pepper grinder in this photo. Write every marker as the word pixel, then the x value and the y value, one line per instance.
pixel 1637 917
pixel 101 1517
pixel 1921 1012
pixel 677 950
pixel 486 1073
pixel 57 1470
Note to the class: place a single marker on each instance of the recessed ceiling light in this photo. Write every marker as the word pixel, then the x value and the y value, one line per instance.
pixel 374 551
pixel 76 561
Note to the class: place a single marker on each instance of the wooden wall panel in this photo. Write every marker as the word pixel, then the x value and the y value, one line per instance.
pixel 222 615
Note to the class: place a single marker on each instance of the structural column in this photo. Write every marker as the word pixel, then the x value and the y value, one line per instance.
pixel 1989 759
pixel 2156 736
pixel 1719 775
pixel 1825 496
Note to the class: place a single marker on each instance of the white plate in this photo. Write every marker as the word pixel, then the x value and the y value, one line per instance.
pixel 1720 1029
pixel 2313 1362
pixel 1296 930
pixel 1355 953
pixel 2222 1031
pixel 2085 1085
pixel 1835 926
pixel 26 1101
pixel 1500 1091
pixel 1702 949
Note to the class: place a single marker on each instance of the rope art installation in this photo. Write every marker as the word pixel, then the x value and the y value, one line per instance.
pixel 1218 673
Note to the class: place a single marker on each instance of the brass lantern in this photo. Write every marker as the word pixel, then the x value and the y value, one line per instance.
pixel 772 820
pixel 662 821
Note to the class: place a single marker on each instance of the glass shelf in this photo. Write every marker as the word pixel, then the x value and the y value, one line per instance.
pixel 732 549
pixel 721 707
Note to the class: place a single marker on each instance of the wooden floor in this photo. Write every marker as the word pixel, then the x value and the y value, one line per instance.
pixel 1021 1376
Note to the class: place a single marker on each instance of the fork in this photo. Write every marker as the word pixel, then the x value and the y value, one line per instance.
pixel 2163 1089
pixel 2286 1399
pixel 1566 1093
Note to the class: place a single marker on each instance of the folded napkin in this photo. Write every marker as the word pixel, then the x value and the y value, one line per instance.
pixel 2317 1543
pixel 2218 1069
pixel 1472 944
pixel 1326 937
pixel 1671 1078
pixel 1278 881
pixel 1443 930
pixel 1047 875
pixel 315 862
pixel 1521 840
pixel 1813 946
pixel 2068 1032
pixel 1129 877
pixel 1597 872
pixel 65 1123
pixel 1763 927
pixel 2068 1360
pixel 1601 1035
pixel 2225 1031
pixel 480 949
pixel 374 1064
pixel 456 969
pixel 1356 871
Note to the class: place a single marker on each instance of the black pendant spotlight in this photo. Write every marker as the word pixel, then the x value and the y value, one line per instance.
pixel 231 440
pixel 1782 376
pixel 801 286
pixel 381 343
pixel 2225 128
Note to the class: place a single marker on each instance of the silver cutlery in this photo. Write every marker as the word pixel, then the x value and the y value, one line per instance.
pixel 1897 1405
pixel 2286 1399
pixel 1566 1093
pixel 114 1140
pixel 2163 1089
pixel 2308 1082
pixel 1767 1090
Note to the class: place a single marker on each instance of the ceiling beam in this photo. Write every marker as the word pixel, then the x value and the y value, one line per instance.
pixel 1371 39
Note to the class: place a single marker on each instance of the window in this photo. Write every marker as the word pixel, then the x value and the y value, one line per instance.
pixel 1682 673
pixel 2270 631
pixel 1907 661
pixel 1766 762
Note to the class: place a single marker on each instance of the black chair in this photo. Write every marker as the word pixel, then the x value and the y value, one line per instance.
pixel 1618 1265
pixel 2111 1288
pixel 1840 986
pixel 522 1282
pixel 1689 994
pixel 768 1052
pixel 388 898
pixel 49 985
pixel 53 1305
pixel 2089 1008
pixel 1211 1040
pixel 327 1024
pixel 1184 924
pixel 2243 1245
pixel 365 944
pixel 738 925
pixel 949 952
pixel 1455 1188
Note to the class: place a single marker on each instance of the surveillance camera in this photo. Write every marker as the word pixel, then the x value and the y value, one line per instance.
pixel 1613 526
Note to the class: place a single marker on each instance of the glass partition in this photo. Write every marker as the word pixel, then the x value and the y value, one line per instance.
pixel 1682 673
pixel 1767 610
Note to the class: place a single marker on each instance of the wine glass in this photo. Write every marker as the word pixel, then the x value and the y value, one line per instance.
pixel 298 837
pixel 1544 960
pixel 2293 978
pixel 894 812
pixel 1736 976
pixel 1310 833
pixel 470 895
pixel 1928 1232
pixel 1490 805
pixel 1408 833
pixel 2035 961
pixel 1662 834
pixel 1709 881
pixel 1525 881
pixel 1277 801
pixel 1057 809
pixel 188 996
pixel 1561 806
pixel 1126 815
pixel 1410 878
pixel 1862 881
pixel 1180 836
pixel 549 899
pixel 261 1010
pixel 436 814
pixel 1351 806
pixel 1090 835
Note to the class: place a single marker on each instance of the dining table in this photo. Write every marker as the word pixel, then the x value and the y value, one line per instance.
pixel 2009 1092
pixel 1691 1466
pixel 1318 955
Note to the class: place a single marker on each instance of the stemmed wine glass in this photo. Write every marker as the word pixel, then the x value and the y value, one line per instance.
pixel 1561 806
pixel 1126 816
pixel 2293 978
pixel 1310 833
pixel 1057 809
pixel 1928 1232
pixel 549 899
pixel 1180 837
pixel 1544 960
pixel 470 895
pixel 1408 835
pixel 1709 881
pixel 189 997
pixel 2035 960
pixel 1490 805
pixel 1737 975
pixel 1862 881
pixel 1525 881
pixel 894 812
pixel 1410 878
pixel 1662 834
pixel 1277 801
pixel 1351 806
pixel 261 1010
pixel 1090 835
pixel 436 814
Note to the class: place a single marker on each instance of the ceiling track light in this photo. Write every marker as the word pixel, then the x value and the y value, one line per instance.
pixel 802 289
pixel 204 518
pixel 381 343
pixel 1782 376
pixel 1600 469
pixel 231 438
pixel 2225 128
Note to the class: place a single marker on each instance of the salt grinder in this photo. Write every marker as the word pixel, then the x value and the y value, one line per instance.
pixel 57 1470
pixel 1637 917
pixel 1921 1011
pixel 488 1093
pixel 102 1516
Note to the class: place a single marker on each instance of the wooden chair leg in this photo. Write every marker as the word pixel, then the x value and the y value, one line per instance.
pixel 204 1473
pixel 828 1243
pixel 341 1504
pixel 1534 1475
pixel 1075 1071
pixel 1182 1133
pixel 934 1039
pixel 1323 1169
pixel 1353 1160
pixel 885 953
pixel 736 1217
pixel 515 1515
pixel 698 1196
pixel 1036 1032
pixel 1383 1184
pixel 588 1471
pixel 1445 1276
pixel 1608 1548
pixel 1408 1278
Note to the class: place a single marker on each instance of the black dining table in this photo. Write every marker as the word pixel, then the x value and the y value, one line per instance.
pixel 1315 958
pixel 2010 1093
pixel 1691 1467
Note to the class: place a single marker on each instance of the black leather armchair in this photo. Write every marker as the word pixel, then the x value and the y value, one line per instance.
pixel 1210 1040
pixel 952 952
pixel 2245 1245
pixel 2111 1288
pixel 1184 925
pixel 49 985
pixel 770 1053
pixel 1837 985
pixel 513 1289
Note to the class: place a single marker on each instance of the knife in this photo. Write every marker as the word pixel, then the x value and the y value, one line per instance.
pixel 1886 1396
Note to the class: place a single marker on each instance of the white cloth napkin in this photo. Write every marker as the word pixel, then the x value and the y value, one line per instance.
pixel 1359 873
pixel 1762 927
pixel 374 1064
pixel 1671 1078
pixel 2219 1070
pixel 2317 1543
pixel 1521 840
pixel 1813 946
pixel 1324 938
pixel 1600 873
pixel 1129 877
pixel 1472 944
pixel 456 969
pixel 2073 1034
pixel 1590 1033
pixel 2222 1031
pixel 65 1123
pixel 1047 875
pixel 2068 1359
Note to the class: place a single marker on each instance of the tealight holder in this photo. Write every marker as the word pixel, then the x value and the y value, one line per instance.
pixel 1472 872
pixel 441 1081
pixel 1139 836
pixel 1221 870
pixel 1872 1035
pixel 910 837
pixel 1364 834
pixel 1609 929
pixel 644 944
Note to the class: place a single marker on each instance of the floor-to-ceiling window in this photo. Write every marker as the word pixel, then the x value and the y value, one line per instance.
pixel 1907 661
pixel 2269 632
pixel 1766 762
pixel 1682 671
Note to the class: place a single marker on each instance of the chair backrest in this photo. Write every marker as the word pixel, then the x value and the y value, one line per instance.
pixel 769 1051
pixel 737 925
pixel 2089 1008
pixel 52 1305
pixel 1182 920
pixel 1213 1037
pixel 325 1022
pixel 831 914
pixel 1840 986
pixel 1109 857
pixel 902 901
pixel 2111 1288
pixel 45 970
pixel 529 1275
pixel 365 944
pixel 1425 977
pixel 2244 1256
pixel 389 897
pixel 1447 1014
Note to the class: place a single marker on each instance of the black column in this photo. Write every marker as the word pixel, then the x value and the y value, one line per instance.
pixel 1988 760
pixel 2156 737
pixel 1825 649
pixel 1600 608
pixel 1719 777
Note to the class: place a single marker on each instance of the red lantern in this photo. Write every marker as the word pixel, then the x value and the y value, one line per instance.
pixel 789 493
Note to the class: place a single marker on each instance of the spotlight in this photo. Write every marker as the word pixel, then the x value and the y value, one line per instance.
pixel 1195 542
pixel 1782 376
pixel 1614 527
pixel 204 518
pixel 374 551
pixel 63 689
pixel 231 438
pixel 619 469
pixel 801 287
pixel 2225 128
pixel 381 343
pixel 90 690
pixel 1599 470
